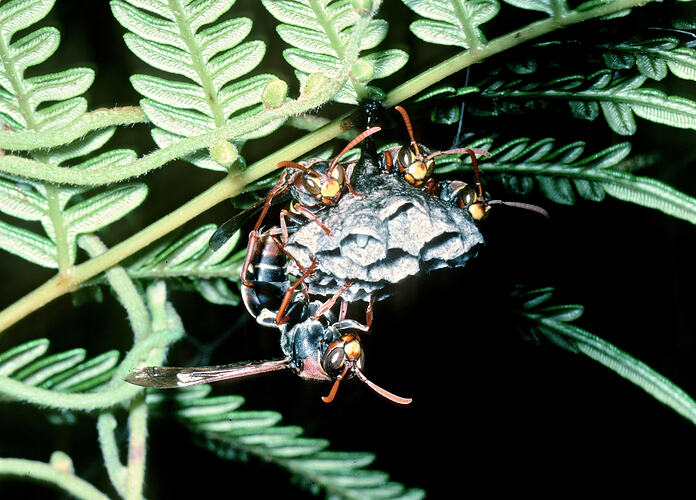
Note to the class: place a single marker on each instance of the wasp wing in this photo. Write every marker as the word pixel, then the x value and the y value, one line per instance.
pixel 229 227
pixel 171 377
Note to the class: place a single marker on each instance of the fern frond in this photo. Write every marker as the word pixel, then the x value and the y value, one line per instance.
pixel 63 372
pixel 21 108
pixel 562 172
pixel 62 223
pixel 229 432
pixel 169 36
pixel 653 58
pixel 618 98
pixel 551 7
pixel 190 259
pixel 319 32
pixel 553 323
pixel 452 22
pixel 21 97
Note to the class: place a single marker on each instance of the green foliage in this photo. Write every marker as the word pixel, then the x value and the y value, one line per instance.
pixel 65 372
pixel 553 322
pixel 229 432
pixel 191 259
pixel 562 172
pixel 452 23
pixel 170 37
pixel 210 87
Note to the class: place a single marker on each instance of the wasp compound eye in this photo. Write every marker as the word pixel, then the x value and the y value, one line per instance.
pixel 405 156
pixel 338 173
pixel 334 359
pixel 312 184
pixel 468 196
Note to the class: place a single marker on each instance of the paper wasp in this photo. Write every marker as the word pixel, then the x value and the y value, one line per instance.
pixel 416 164
pixel 316 345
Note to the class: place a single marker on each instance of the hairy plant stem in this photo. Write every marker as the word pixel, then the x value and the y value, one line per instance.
pixel 137 446
pixel 124 288
pixel 106 425
pixel 39 471
pixel 94 120
pixel 235 182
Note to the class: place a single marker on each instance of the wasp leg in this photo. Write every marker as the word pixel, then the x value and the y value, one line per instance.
pixel 369 313
pixel 329 303
pixel 280 315
pixel 343 311
pixel 308 213
pixel 252 250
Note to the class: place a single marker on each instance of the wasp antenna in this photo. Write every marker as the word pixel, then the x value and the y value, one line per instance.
pixel 474 162
pixel 407 121
pixel 382 392
pixel 334 387
pixel 292 164
pixel 352 144
pixel 455 151
pixel 526 206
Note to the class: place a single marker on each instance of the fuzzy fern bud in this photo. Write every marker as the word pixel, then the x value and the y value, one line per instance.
pixel 363 70
pixel 61 461
pixel 224 152
pixel 274 93
pixel 313 84
pixel 362 6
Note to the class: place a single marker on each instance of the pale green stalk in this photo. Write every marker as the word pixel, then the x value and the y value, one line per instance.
pixel 39 471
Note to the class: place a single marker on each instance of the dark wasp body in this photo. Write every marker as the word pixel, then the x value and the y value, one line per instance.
pixel 316 346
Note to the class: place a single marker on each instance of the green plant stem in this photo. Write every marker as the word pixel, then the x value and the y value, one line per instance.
pixel 233 184
pixel 60 234
pixel 33 470
pixel 94 120
pixel 124 287
pixel 137 446
pixel 106 425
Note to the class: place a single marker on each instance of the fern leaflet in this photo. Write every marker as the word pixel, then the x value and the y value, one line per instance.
pixel 232 433
pixel 170 36
pixel 190 259
pixel 319 31
pixel 63 372
pixel 452 22
pixel 553 323
pixel 63 218
pixel 562 172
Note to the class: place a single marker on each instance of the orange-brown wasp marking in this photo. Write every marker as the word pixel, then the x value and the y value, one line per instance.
pixel 413 163
pixel 473 199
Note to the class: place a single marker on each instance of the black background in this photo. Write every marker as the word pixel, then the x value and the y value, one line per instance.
pixel 490 409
